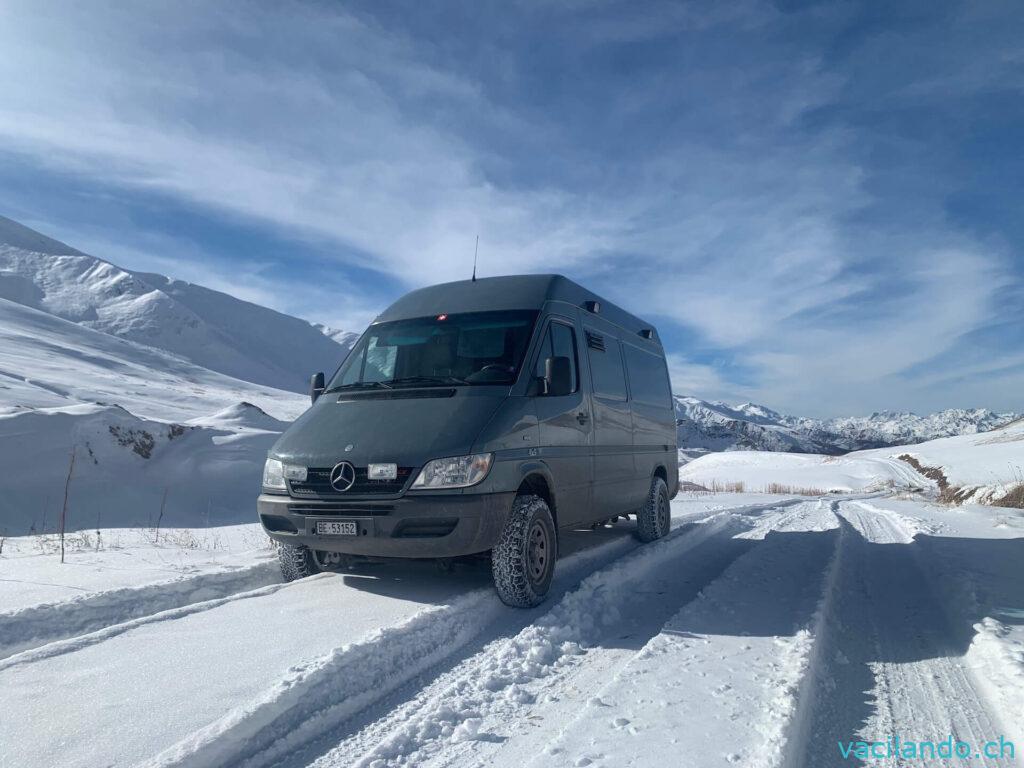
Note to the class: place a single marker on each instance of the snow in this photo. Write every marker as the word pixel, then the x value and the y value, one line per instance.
pixel 125 558
pixel 713 426
pixel 727 642
pixel 988 464
pixel 128 469
pixel 765 630
pixel 743 646
pixel 208 328
pixel 222 653
pixel 758 470
pixel 46 361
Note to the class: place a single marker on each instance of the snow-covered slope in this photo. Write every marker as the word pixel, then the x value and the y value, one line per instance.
pixel 206 327
pixel 127 469
pixel 49 362
pixel 200 435
pixel 760 470
pixel 981 467
pixel 976 467
pixel 713 426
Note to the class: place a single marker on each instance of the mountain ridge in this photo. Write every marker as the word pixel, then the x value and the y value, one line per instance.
pixel 705 427
pixel 209 328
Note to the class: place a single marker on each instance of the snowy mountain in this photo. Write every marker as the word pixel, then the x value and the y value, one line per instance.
pixel 203 326
pixel 705 427
pixel 47 362
pixel 141 422
pixel 347 339
pixel 163 391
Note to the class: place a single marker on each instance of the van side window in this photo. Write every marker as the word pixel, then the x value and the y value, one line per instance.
pixel 606 366
pixel 563 342
pixel 648 377
pixel 559 341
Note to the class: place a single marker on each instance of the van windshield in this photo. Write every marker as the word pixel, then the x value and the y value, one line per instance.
pixel 443 350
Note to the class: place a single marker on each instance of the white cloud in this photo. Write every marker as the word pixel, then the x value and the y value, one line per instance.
pixel 322 151
pixel 701 380
pixel 736 225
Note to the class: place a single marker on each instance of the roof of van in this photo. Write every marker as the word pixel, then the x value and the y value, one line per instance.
pixel 507 292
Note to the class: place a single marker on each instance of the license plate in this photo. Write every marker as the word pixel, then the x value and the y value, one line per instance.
pixel 337 528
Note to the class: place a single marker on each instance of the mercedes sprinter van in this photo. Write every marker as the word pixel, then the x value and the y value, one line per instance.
pixel 473 417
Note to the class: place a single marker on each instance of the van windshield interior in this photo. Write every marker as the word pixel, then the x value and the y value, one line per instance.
pixel 473 348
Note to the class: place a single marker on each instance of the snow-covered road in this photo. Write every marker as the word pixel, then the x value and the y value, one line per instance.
pixel 762 631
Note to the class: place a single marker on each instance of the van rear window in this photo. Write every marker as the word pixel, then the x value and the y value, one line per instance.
pixel 648 377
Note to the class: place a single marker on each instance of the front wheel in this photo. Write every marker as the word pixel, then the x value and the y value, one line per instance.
pixel 296 562
pixel 523 561
pixel 653 518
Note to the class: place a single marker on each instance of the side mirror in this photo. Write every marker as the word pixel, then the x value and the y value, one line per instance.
pixel 558 376
pixel 316 386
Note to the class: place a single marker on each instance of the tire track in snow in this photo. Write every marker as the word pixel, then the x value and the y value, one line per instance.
pixel 317 697
pixel 39 625
pixel 735 661
pixel 890 666
pixel 500 686
pixel 78 642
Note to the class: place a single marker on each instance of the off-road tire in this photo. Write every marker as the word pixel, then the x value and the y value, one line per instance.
pixel 513 569
pixel 296 562
pixel 653 519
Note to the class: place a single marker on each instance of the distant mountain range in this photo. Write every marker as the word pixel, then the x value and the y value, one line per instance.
pixel 706 427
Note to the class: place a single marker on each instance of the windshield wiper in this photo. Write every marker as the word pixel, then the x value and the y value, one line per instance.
pixel 428 380
pixel 358 385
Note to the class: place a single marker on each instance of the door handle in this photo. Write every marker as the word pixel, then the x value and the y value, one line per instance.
pixel 582 417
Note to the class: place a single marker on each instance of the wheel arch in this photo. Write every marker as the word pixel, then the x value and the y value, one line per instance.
pixel 536 478
pixel 660 471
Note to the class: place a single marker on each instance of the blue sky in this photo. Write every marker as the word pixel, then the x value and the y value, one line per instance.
pixel 820 204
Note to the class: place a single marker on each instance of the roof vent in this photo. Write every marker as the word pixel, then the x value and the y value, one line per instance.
pixel 647 333
pixel 592 306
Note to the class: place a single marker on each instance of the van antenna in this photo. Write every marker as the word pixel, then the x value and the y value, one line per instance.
pixel 476 249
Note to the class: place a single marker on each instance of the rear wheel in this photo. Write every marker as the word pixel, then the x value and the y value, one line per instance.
pixel 653 519
pixel 296 562
pixel 523 561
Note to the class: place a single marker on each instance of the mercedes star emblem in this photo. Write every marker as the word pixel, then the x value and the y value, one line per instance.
pixel 343 476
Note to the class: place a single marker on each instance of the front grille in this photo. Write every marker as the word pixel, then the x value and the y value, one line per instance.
pixel 318 484
pixel 340 508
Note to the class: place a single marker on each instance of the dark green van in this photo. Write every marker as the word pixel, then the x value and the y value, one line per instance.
pixel 478 416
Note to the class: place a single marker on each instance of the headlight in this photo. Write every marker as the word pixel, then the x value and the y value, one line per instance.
pixel 456 472
pixel 275 472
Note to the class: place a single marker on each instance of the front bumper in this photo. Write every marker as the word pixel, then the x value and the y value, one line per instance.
pixel 427 525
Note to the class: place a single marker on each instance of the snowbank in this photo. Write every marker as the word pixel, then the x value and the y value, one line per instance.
pixel 758 470
pixel 984 465
pixel 127 469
